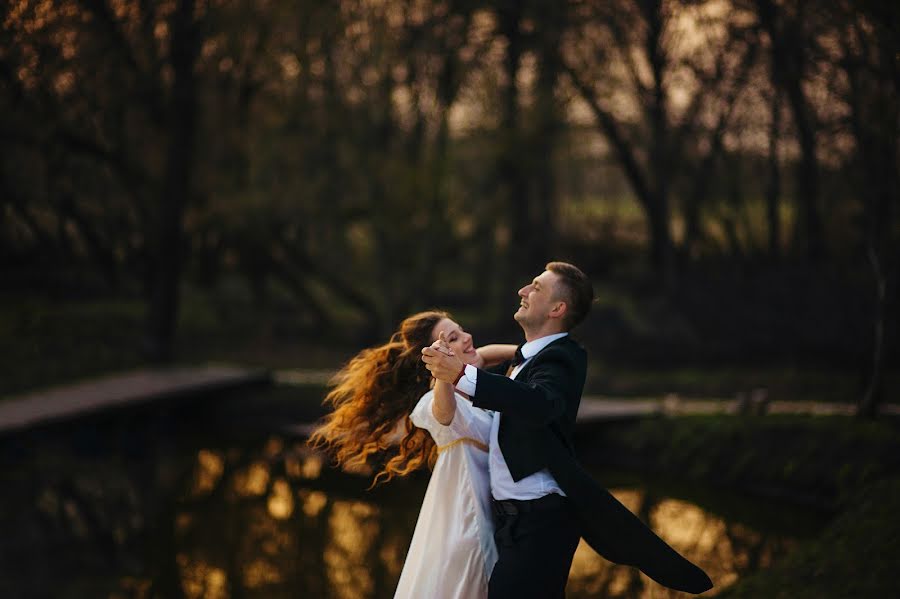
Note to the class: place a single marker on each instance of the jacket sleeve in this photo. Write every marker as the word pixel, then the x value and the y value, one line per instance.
pixel 540 400
pixel 500 368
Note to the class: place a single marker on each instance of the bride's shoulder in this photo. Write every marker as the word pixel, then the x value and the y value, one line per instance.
pixel 422 410
pixel 426 397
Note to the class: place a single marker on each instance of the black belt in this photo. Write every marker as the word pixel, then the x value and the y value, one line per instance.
pixel 507 512
pixel 513 507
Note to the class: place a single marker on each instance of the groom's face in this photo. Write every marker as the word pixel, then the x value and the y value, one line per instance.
pixel 537 300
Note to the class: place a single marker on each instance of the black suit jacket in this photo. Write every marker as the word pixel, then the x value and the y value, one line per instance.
pixel 536 432
pixel 543 398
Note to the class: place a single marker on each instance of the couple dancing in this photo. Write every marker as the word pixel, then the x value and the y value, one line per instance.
pixel 507 502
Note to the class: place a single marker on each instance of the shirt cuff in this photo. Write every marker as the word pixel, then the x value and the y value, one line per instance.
pixel 467 381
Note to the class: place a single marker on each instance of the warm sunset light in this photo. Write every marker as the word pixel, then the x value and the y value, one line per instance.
pixel 383 299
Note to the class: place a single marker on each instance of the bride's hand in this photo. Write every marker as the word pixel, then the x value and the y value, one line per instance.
pixel 442 346
pixel 479 359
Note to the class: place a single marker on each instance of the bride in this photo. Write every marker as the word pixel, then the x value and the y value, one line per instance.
pixel 388 387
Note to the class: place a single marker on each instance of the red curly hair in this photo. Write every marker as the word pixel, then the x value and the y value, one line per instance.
pixel 372 395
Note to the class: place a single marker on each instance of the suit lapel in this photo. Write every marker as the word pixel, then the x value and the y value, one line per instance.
pixel 524 372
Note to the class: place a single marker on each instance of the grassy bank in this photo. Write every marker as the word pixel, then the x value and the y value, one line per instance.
pixel 855 557
pixel 843 465
pixel 816 460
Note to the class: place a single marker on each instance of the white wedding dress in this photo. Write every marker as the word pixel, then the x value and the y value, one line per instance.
pixel 452 551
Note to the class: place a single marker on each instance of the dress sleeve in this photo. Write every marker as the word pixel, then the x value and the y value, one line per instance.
pixel 468 421
pixel 423 417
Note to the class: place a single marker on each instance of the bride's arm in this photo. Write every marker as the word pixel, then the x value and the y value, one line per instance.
pixel 444 405
pixel 495 353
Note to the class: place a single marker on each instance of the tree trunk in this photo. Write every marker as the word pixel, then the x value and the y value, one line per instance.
pixel 873 82
pixel 544 226
pixel 874 111
pixel 773 183
pixel 511 177
pixel 788 72
pixel 868 406
pixel 661 251
pixel 809 223
pixel 176 189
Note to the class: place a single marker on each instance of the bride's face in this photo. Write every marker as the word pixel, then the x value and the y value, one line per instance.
pixel 459 341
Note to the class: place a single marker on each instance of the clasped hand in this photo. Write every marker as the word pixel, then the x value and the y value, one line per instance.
pixel 441 361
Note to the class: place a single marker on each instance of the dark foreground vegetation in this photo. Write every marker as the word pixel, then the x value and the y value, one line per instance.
pixel 856 556
pixel 835 465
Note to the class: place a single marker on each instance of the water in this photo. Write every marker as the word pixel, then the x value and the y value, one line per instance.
pixel 176 505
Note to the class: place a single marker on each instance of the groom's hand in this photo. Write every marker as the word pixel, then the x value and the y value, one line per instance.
pixel 443 366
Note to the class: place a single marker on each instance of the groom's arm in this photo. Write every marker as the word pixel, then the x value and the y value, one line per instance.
pixel 496 354
pixel 541 399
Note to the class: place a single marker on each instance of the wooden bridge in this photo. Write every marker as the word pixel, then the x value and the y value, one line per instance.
pixel 172 385
pixel 126 390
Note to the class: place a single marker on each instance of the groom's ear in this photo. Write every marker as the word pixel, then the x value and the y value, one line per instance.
pixel 559 310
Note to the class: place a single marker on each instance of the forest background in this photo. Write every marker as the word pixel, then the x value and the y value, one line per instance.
pixel 282 182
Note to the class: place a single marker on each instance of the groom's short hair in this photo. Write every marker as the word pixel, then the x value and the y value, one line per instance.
pixel 576 291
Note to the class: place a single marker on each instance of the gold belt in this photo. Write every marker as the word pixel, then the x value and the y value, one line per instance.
pixel 467 440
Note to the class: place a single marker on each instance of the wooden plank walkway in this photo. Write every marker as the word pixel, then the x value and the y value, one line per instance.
pixel 122 390
pixel 594 406
pixel 160 385
pixel 597 409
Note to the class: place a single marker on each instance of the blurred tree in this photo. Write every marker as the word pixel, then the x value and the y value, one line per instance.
pixel 106 93
pixel 625 60
pixel 791 28
pixel 339 165
pixel 868 51
pixel 354 123
pixel 509 182
pixel 186 27
pixel 773 182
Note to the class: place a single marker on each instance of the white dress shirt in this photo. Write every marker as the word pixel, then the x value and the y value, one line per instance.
pixel 503 486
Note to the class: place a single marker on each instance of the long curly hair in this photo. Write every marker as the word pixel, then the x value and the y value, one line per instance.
pixel 372 397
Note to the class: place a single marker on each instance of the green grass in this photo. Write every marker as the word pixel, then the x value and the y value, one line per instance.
pixel 816 459
pixel 45 343
pixel 782 383
pixel 848 466
pixel 856 556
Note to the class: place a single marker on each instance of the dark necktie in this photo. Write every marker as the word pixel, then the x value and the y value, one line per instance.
pixel 517 359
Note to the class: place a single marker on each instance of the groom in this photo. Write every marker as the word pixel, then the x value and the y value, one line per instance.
pixel 543 500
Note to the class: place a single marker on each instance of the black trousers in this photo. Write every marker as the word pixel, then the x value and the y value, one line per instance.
pixel 536 540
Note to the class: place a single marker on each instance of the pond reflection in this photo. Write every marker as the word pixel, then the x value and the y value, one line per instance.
pixel 214 518
pixel 725 550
